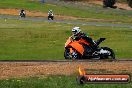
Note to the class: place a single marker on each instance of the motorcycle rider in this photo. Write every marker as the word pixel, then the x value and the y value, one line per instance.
pixel 78 34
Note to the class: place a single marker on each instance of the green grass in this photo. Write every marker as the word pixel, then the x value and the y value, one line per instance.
pixel 55 82
pixel 96 12
pixel 27 40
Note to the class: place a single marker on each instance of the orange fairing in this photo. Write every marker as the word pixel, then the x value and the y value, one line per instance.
pixel 77 46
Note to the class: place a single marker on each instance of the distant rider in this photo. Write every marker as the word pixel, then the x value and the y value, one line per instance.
pixel 77 34
pixel 50 15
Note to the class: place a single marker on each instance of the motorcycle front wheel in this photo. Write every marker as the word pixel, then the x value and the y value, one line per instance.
pixel 73 55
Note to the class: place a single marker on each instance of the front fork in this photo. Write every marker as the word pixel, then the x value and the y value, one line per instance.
pixel 70 53
pixel 73 54
pixel 71 50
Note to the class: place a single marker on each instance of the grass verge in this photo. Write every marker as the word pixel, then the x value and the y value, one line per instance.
pixel 55 82
pixel 27 40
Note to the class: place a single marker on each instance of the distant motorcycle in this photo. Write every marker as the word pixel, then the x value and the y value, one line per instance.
pixel 50 16
pixel 22 14
pixel 81 50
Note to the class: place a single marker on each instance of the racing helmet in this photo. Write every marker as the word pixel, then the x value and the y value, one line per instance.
pixel 76 30
pixel 50 10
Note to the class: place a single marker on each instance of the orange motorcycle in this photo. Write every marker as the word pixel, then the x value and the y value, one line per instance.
pixel 81 50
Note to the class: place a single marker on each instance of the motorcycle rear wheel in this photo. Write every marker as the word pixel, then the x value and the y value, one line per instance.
pixel 110 56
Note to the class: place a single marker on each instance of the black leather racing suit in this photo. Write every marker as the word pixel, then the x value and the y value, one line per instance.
pixel 87 38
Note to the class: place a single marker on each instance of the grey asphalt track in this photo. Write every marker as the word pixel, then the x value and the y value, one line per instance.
pixel 86 60
pixel 41 19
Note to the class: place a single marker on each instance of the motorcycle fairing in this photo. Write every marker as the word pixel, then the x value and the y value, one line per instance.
pixel 78 47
